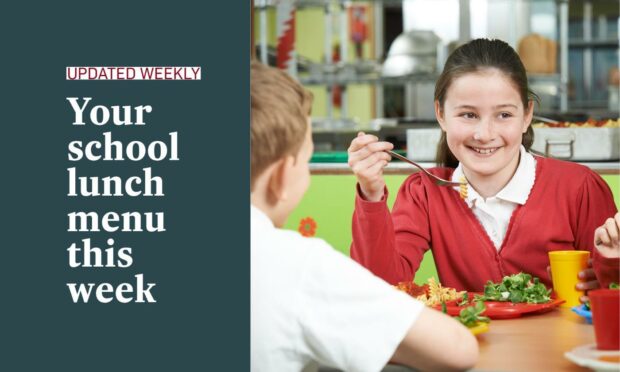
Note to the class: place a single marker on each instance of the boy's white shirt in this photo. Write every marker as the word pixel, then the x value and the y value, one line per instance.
pixel 312 303
pixel 495 212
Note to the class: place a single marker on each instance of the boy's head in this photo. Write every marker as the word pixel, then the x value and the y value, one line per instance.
pixel 280 141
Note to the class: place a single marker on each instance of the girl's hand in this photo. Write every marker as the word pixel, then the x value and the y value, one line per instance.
pixel 367 158
pixel 606 237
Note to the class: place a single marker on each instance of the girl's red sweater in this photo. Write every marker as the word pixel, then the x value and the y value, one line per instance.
pixel 566 204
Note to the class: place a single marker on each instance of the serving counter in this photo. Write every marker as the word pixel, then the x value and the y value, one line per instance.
pixel 602 168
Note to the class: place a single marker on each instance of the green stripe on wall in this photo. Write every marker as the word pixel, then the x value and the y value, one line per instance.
pixel 330 201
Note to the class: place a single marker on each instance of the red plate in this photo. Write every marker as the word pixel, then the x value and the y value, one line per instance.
pixel 504 310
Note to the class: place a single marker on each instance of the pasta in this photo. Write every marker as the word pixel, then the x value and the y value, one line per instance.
pixel 438 294
pixel 432 293
pixel 463 188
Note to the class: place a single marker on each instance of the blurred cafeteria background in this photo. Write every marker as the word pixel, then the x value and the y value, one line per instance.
pixel 372 66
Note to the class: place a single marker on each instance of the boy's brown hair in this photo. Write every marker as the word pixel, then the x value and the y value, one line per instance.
pixel 280 110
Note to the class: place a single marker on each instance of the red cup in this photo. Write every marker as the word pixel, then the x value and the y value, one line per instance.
pixel 605 304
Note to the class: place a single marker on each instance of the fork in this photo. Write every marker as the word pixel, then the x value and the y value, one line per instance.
pixel 439 181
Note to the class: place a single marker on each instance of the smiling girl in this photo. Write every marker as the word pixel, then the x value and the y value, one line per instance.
pixel 517 207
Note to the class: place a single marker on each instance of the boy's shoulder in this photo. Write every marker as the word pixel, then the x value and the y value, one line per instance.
pixel 288 254
pixel 267 240
pixel 295 243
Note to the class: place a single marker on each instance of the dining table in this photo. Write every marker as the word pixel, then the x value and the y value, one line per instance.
pixel 534 342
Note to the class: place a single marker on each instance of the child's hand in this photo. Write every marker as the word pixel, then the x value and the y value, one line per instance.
pixel 587 280
pixel 367 158
pixel 606 237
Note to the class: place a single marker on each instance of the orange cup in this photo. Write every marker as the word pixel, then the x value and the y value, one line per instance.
pixel 565 268
pixel 605 304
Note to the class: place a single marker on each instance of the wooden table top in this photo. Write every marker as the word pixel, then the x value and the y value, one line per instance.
pixel 534 342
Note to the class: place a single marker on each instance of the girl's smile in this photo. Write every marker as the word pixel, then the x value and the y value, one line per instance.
pixel 484 152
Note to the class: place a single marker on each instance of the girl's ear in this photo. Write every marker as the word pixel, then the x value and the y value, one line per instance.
pixel 439 116
pixel 528 115
pixel 277 189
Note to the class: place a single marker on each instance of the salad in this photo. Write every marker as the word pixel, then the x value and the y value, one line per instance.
pixel 517 288
pixel 471 317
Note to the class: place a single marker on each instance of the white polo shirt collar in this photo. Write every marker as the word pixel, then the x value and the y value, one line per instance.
pixel 518 188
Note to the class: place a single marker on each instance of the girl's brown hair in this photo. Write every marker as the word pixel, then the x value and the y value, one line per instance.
pixel 474 56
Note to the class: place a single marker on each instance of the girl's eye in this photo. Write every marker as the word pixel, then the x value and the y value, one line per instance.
pixel 468 115
pixel 505 115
